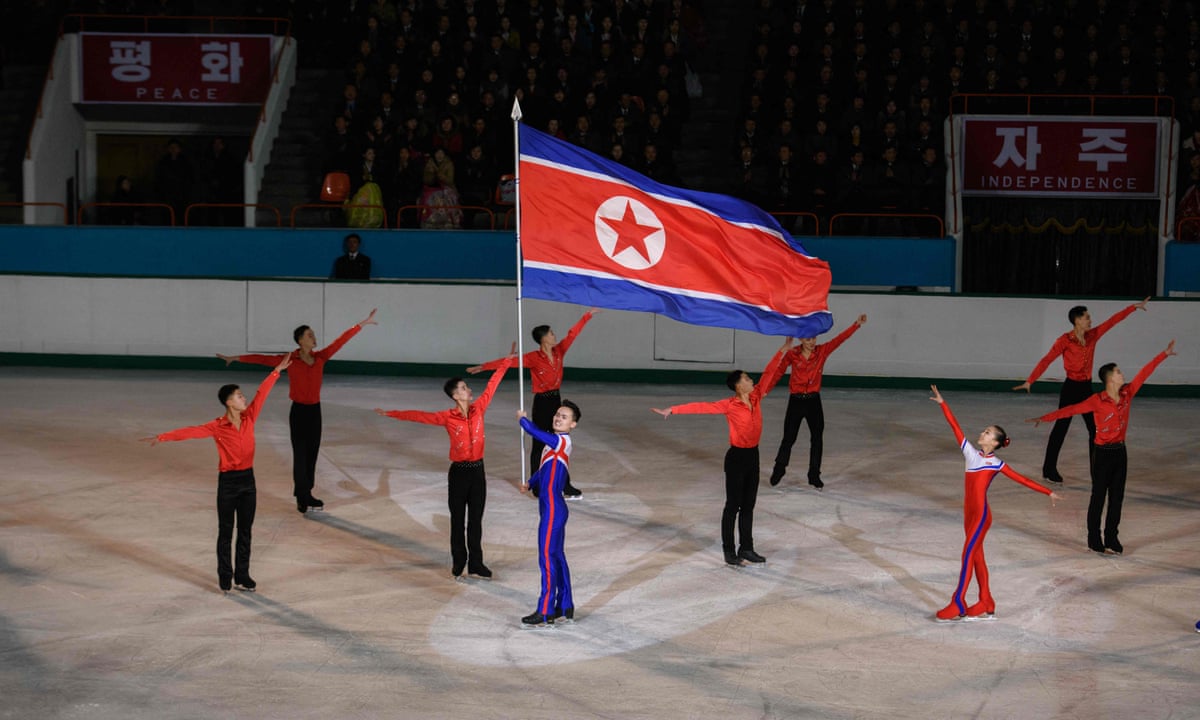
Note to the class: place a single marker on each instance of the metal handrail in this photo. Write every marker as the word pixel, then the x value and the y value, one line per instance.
pixel 491 215
pixel 799 213
pixel 66 213
pixel 335 206
pixel 1180 223
pixel 941 223
pixel 85 206
pixel 188 211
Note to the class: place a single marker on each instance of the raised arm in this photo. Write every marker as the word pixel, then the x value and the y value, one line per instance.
pixel 1144 374
pixel 545 437
pixel 565 344
pixel 485 398
pixel 937 398
pixel 1099 330
pixel 844 335
pixel 494 364
pixel 329 350
pixel 264 388
pixel 773 371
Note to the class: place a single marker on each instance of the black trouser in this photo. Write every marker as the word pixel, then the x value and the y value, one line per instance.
pixel 741 492
pixel 468 493
pixel 1073 391
pixel 545 405
pixel 305 422
pixel 236 498
pixel 803 406
pixel 1108 481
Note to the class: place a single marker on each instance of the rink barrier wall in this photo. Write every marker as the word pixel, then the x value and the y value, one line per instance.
pixel 440 329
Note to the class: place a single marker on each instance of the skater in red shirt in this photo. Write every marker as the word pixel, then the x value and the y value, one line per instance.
pixel 1110 407
pixel 304 388
pixel 807 361
pixel 237 496
pixel 743 412
pixel 545 378
pixel 982 467
pixel 466 479
pixel 1077 349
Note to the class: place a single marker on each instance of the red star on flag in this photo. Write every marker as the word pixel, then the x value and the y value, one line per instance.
pixel 630 233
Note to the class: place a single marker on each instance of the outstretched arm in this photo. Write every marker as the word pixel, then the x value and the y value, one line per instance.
pixel 1098 331
pixel 844 335
pixel 774 370
pixel 1079 408
pixel 485 398
pixel 192 432
pixel 418 416
pixel 937 398
pixel 493 364
pixel 1056 350
pixel 1144 374
pixel 264 388
pixel 716 407
pixel 253 359
pixel 565 344
pixel 1014 475
pixel 329 350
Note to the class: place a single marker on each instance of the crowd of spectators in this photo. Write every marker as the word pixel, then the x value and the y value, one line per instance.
pixel 843 102
pixel 429 86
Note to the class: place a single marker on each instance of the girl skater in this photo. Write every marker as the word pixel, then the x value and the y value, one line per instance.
pixel 982 466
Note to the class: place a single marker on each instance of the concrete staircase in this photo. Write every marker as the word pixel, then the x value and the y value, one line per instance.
pixel 293 176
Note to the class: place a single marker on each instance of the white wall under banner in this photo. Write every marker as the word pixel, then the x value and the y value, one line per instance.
pixel 917 335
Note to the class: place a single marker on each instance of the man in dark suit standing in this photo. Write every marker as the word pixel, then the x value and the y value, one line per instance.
pixel 353 265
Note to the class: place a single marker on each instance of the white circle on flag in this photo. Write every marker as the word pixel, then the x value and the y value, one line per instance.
pixel 630 233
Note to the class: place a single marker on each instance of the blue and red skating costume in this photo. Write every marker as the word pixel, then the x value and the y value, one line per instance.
pixel 977 518
pixel 547 483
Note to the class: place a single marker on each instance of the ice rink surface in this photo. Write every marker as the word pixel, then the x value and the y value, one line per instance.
pixel 109 606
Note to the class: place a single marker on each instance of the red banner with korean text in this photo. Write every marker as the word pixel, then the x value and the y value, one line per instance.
pixel 174 69
pixel 1061 156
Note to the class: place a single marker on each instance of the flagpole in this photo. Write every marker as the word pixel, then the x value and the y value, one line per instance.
pixel 516 118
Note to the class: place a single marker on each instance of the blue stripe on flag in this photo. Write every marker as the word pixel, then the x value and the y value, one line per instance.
pixel 625 295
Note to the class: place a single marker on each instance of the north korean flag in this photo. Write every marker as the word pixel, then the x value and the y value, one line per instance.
pixel 594 232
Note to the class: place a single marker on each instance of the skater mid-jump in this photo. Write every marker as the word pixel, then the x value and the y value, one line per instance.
pixel 304 388
pixel 982 467
pixel 1078 349
pixel 743 412
pixel 547 484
